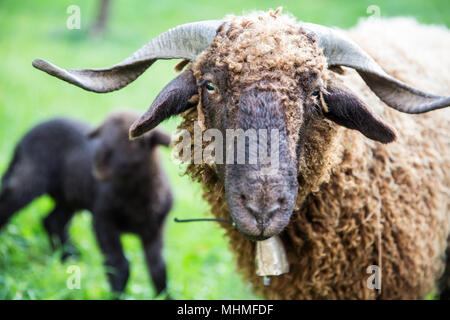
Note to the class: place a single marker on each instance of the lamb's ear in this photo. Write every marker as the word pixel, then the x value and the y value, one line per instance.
pixel 346 109
pixel 159 137
pixel 173 99
pixel 94 132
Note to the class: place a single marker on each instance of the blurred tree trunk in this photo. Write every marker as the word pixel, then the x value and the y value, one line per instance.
pixel 102 18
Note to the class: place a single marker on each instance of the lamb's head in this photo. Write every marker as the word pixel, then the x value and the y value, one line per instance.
pixel 261 72
pixel 118 159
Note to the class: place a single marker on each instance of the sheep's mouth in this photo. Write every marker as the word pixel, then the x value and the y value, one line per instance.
pixel 261 210
pixel 261 237
pixel 244 230
pixel 257 232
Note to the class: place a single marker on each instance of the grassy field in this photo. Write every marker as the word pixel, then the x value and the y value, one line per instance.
pixel 199 264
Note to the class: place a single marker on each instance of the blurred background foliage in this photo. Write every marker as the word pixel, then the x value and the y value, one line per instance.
pixel 199 264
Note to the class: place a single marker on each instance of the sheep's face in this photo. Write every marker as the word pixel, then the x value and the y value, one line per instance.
pixel 266 80
pixel 116 158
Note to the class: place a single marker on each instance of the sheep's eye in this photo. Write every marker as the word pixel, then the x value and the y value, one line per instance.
pixel 210 87
pixel 315 93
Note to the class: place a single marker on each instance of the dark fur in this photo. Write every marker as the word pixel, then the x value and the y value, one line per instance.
pixel 130 192
pixel 172 100
pixel 349 111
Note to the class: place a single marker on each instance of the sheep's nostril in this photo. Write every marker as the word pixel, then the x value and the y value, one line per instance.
pixel 262 217
pixel 256 213
pixel 268 215
pixel 282 200
pixel 253 210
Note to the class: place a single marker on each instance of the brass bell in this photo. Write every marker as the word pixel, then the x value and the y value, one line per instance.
pixel 271 259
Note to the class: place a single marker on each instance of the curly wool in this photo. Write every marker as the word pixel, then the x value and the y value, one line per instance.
pixel 349 183
pixel 267 51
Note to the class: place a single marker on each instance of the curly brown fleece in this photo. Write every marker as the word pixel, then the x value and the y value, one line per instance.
pixel 348 183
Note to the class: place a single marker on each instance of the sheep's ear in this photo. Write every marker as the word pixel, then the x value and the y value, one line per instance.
pixel 94 132
pixel 159 137
pixel 346 109
pixel 173 99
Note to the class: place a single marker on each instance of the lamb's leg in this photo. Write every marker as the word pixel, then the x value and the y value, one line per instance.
pixel 21 184
pixel 11 201
pixel 108 237
pixel 6 208
pixel 155 261
pixel 57 226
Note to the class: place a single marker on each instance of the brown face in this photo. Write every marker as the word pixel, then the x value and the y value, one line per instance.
pixel 260 196
pixel 255 88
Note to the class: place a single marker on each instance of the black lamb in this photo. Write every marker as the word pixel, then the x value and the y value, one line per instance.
pixel 120 181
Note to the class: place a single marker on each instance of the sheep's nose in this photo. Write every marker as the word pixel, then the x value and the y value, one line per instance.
pixel 263 211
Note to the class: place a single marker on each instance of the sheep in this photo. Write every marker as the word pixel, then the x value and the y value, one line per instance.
pixel 100 170
pixel 359 185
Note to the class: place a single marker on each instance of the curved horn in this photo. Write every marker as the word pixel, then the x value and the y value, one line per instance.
pixel 186 41
pixel 173 99
pixel 342 51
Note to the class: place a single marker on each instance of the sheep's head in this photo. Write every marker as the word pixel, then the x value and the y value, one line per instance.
pixel 262 71
pixel 116 158
pixel 260 76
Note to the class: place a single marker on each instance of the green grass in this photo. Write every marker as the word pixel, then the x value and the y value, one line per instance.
pixel 199 263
